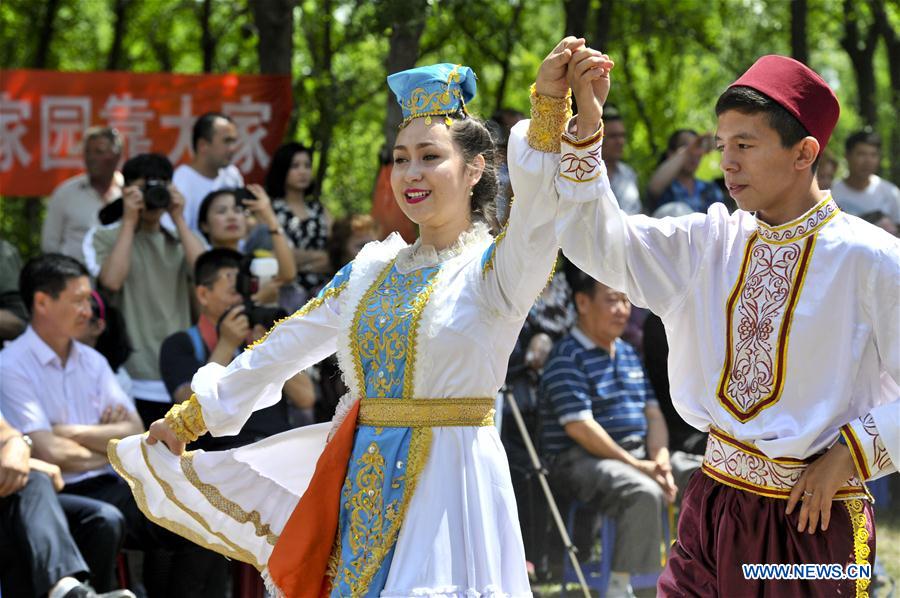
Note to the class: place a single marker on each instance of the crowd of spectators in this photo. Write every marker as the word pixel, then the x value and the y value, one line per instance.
pixel 148 273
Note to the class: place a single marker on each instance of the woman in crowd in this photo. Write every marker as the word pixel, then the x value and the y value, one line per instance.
pixel 223 220
pixel 411 493
pixel 305 220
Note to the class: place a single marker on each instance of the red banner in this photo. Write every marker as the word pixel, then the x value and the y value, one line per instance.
pixel 43 116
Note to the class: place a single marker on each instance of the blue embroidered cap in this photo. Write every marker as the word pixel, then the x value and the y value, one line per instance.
pixel 439 89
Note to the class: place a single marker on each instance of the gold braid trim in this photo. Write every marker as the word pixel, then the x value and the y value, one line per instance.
pixel 549 116
pixel 431 413
pixel 419 451
pixel 186 420
pixel 310 305
pixel 229 507
pixel 230 550
pixel 860 542
pixel 354 328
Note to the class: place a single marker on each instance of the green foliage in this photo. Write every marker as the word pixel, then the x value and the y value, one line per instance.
pixel 673 59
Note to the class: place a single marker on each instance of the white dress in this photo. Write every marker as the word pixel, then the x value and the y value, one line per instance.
pixel 460 314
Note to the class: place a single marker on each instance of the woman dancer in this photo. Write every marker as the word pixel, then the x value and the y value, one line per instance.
pixel 408 491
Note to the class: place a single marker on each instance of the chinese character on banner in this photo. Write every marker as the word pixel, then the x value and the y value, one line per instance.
pixel 63 122
pixel 129 116
pixel 248 118
pixel 12 115
pixel 184 122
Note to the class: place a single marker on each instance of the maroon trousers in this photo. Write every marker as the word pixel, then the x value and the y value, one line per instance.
pixel 720 528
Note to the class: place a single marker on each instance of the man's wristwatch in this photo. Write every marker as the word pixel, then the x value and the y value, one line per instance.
pixel 27 440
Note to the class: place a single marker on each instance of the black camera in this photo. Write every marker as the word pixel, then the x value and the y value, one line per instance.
pixel 156 194
pixel 246 285
pixel 240 194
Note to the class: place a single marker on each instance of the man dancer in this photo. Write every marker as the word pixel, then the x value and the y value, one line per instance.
pixel 783 328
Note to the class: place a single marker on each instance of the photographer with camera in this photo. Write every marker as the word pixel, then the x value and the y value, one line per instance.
pixel 229 320
pixel 146 268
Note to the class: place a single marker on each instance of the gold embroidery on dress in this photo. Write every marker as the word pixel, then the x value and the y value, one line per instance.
pixel 860 542
pixel 140 496
pixel 366 524
pixel 419 450
pixel 310 305
pixel 354 328
pixel 230 508
pixel 432 413
pixel 489 264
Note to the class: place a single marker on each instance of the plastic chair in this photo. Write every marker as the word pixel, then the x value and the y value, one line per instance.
pixel 598 573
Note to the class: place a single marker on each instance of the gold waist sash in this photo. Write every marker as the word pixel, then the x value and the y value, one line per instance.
pixel 743 466
pixel 426 413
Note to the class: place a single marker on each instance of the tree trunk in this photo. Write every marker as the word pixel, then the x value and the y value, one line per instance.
pixel 402 54
pixel 120 20
pixel 892 42
pixel 207 39
pixel 861 52
pixel 42 51
pixel 576 16
pixel 326 93
pixel 799 46
pixel 512 32
pixel 275 19
pixel 602 25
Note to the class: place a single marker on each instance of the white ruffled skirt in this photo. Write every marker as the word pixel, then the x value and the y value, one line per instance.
pixel 461 534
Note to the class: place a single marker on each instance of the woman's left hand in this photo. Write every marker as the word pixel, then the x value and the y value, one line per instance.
pixel 818 485
pixel 261 206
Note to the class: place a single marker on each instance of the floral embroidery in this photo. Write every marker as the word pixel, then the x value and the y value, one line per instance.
pixel 800 228
pixel 385 324
pixel 581 169
pixel 880 457
pixel 366 507
pixel 745 467
pixel 759 314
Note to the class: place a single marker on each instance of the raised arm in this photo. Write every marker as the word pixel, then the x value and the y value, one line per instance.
pixel 262 208
pixel 117 263
pixel 518 264
pixel 653 261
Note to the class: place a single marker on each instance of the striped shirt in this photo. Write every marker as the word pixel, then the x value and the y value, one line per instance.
pixel 581 382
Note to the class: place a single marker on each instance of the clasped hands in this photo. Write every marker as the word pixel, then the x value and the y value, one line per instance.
pixel 573 65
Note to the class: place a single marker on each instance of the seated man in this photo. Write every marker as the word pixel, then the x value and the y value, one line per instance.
pixel 40 556
pixel 603 433
pixel 222 330
pixel 64 395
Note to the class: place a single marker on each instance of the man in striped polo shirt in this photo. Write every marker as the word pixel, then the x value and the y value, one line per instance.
pixel 603 433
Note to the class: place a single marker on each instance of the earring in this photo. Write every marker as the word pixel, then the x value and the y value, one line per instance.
pixel 471 192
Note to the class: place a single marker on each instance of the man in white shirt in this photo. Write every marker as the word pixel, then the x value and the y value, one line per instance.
pixel 863 191
pixel 65 397
pixel 622 177
pixel 75 203
pixel 782 321
pixel 215 142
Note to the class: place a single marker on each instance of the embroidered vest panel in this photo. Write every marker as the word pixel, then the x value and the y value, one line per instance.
pixel 386 462
pixel 760 310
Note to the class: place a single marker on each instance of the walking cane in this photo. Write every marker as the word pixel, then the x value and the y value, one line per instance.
pixel 542 478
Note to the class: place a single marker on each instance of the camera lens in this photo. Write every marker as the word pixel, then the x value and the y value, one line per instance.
pixel 156 195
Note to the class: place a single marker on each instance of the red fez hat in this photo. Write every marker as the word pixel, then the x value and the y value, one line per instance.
pixel 799 90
